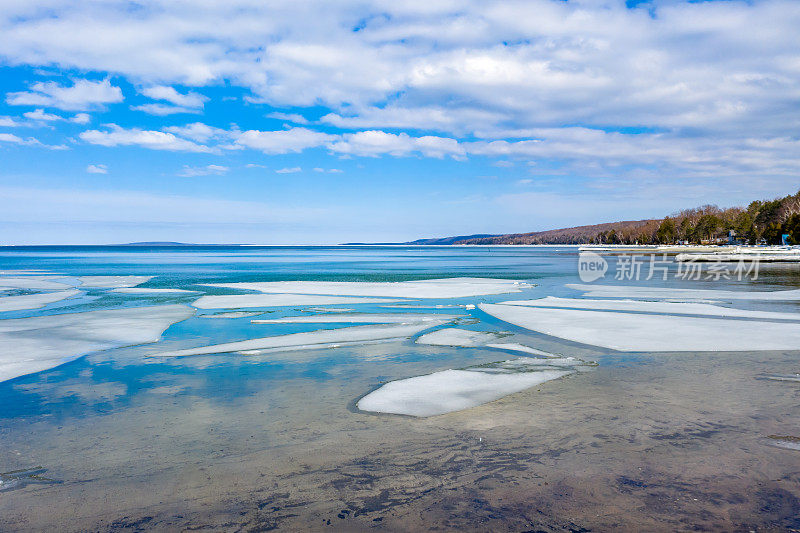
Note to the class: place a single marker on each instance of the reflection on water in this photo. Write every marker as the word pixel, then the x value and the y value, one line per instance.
pixel 673 441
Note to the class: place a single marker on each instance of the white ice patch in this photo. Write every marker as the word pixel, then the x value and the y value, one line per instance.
pixel 29 345
pixel 358 318
pixel 458 337
pixel 233 314
pixel 112 282
pixel 632 291
pixel 520 348
pixel 233 301
pixel 454 390
pixel 34 301
pixel 38 283
pixel 653 307
pixel 431 288
pixel 147 290
pixel 295 341
pixel 631 332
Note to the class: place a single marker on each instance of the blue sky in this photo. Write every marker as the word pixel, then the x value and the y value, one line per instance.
pixel 319 122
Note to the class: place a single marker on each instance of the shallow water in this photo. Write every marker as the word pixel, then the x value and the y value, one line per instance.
pixel 643 441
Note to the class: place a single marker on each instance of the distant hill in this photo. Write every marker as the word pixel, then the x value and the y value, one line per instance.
pixel 576 235
pixel 769 221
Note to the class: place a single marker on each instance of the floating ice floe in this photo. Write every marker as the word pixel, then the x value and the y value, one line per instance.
pixel 294 341
pixel 233 301
pixel 112 282
pixel 454 390
pixel 700 309
pixel 148 290
pixel 329 309
pixel 39 283
pixel 794 378
pixel 633 291
pixel 359 318
pixel 429 288
pixel 785 441
pixel 233 314
pixel 323 346
pixel 34 301
pixel 458 337
pixel 29 345
pixel 634 332
pixel 520 348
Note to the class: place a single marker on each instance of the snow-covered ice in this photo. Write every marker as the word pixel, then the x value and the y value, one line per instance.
pixel 38 283
pixel 458 337
pixel 233 301
pixel 520 348
pixel 112 282
pixel 701 309
pixel 233 314
pixel 148 290
pixel 29 345
pixel 453 390
pixel 633 291
pixel 430 288
pixel 358 318
pixel 650 333
pixel 294 341
pixel 34 301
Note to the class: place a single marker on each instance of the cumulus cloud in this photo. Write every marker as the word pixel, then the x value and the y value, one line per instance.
pixel 155 140
pixel 189 172
pixel 80 96
pixel 97 169
pixel 283 141
pixel 164 109
pixel 28 141
pixel 169 94
pixel 288 170
pixel 699 88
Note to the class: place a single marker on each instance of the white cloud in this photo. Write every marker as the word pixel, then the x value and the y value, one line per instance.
pixel 169 94
pixel 40 115
pixel 164 109
pixel 374 143
pixel 81 118
pixel 8 122
pixel 81 95
pixel 189 172
pixel 289 117
pixel 155 140
pixel 291 170
pixel 97 169
pixel 200 132
pixel 282 141
pixel 28 141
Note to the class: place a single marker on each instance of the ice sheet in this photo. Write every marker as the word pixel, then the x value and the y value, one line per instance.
pixel 359 318
pixel 633 291
pixel 29 345
pixel 147 290
pixel 653 307
pixel 458 337
pixel 520 348
pixel 450 390
pixel 34 301
pixel 43 283
pixel 297 340
pixel 650 333
pixel 233 314
pixel 111 282
pixel 233 301
pixel 432 288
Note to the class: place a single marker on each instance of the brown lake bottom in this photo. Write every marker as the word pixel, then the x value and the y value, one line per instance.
pixel 663 442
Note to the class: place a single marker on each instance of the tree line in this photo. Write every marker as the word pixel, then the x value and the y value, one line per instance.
pixel 759 222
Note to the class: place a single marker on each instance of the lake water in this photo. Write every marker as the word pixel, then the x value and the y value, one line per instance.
pixel 124 438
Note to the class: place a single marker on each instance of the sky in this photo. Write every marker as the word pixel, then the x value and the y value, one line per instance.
pixel 318 122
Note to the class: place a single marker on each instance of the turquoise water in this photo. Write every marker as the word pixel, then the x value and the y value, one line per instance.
pixel 227 377
pixel 123 422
